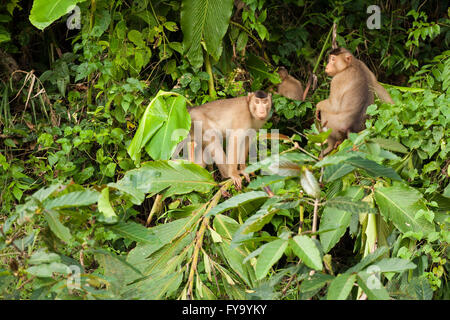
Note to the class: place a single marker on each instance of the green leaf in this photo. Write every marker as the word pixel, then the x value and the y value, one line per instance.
pixel 400 204
pixel 374 169
pixel 258 220
pixel 394 265
pixel 235 201
pixel 348 205
pixel 178 177
pixel 334 221
pixel 369 259
pixel 41 256
pixel 372 286
pixel 135 232
pixel 271 253
pixel 391 145
pixel 56 226
pixel 47 270
pixel 73 199
pixel 104 206
pixel 204 20
pixel 174 129
pixel 307 251
pixel 316 282
pixel 341 287
pixel 336 171
pixel 164 121
pixel 225 226
pixel 44 12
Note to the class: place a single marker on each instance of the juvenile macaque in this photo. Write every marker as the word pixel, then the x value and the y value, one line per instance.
pixel 235 119
pixel 351 92
pixel 289 87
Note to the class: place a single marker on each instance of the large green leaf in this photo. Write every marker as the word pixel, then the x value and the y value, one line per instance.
pixel 334 221
pixel 44 12
pixel 337 171
pixel 348 205
pixel 73 199
pixel 56 226
pixel 136 232
pixel 174 129
pixel 372 286
pixel 105 207
pixel 394 265
pixel 374 169
pixel 163 125
pixel 178 177
pixel 236 201
pixel 400 204
pixel 306 250
pixel 204 20
pixel 341 286
pixel 270 254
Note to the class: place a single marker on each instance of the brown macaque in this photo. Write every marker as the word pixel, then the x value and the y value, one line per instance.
pixel 235 119
pixel 289 87
pixel 351 92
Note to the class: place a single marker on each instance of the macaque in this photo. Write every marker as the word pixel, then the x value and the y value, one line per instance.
pixel 290 87
pixel 234 119
pixel 351 92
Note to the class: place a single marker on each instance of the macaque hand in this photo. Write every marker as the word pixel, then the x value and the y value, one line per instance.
pixel 237 181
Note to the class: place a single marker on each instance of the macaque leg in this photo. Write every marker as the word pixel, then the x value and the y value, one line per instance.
pixel 242 166
pixel 331 145
pixel 235 159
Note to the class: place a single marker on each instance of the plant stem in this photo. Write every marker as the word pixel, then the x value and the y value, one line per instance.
pixel 200 234
pixel 212 91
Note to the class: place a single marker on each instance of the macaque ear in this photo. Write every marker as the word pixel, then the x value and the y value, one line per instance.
pixel 348 59
pixel 270 95
pixel 249 96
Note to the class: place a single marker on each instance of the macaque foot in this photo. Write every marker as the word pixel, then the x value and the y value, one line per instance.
pixel 237 181
pixel 225 193
pixel 245 174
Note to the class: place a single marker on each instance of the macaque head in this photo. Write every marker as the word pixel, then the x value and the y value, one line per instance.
pixel 282 72
pixel 339 60
pixel 259 104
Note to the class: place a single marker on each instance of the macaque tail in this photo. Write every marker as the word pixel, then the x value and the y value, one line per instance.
pixel 382 93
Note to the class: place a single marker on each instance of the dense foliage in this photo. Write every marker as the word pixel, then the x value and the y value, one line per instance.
pixel 93 206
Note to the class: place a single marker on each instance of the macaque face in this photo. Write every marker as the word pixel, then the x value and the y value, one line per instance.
pixel 282 72
pixel 337 64
pixel 260 107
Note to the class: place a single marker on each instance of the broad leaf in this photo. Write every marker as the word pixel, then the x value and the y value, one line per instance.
pixel 307 251
pixel 178 177
pixel 56 226
pixel 105 207
pixel 394 265
pixel 174 129
pixel 400 204
pixel 204 20
pixel 271 253
pixel 236 201
pixel 374 169
pixel 334 221
pixel 136 232
pixel 44 12
pixel 73 199
pixel 372 286
pixel 341 287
